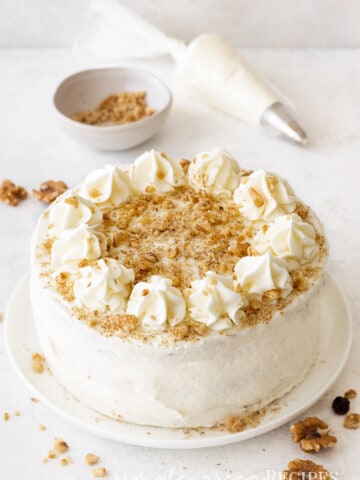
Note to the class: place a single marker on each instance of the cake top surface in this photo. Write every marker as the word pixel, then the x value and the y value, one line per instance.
pixel 178 249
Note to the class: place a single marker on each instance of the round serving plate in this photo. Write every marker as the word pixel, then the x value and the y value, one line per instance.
pixel 334 346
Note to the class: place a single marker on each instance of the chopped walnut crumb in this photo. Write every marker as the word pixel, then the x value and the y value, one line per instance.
pixel 256 197
pixel 42 427
pixel 312 434
pixel 17 413
pixel 51 454
pixel 235 424
pixel 91 459
pixel 65 461
pixel 6 416
pixel 185 164
pixel 299 281
pixel 271 295
pixel 302 210
pixel 1 317
pixel 37 363
pixel 60 446
pixel 305 469
pixel 117 109
pixel 351 393
pixel 99 472
pixel 12 194
pixel 352 421
pixel 34 400
pixel 45 460
pixel 50 190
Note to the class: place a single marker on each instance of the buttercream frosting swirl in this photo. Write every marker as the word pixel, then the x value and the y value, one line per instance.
pixel 75 245
pixel 214 172
pixel 264 196
pixel 106 187
pixel 72 212
pixel 104 285
pixel 259 274
pixel 156 170
pixel 156 303
pixel 289 238
pixel 214 301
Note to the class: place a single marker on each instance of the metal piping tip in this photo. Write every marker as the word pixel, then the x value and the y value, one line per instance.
pixel 279 120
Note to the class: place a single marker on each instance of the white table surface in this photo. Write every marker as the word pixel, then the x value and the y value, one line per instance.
pixel 325 85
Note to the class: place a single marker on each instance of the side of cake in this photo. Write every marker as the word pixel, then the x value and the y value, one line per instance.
pixel 177 293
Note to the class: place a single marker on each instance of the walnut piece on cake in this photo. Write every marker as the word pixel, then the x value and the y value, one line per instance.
pixel 312 434
pixel 304 469
pixel 12 194
pixel 50 190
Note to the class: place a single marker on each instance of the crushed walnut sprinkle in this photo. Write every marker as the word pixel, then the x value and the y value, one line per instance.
pixel 50 190
pixel 305 470
pixel 351 393
pixel 117 109
pixel 235 424
pixel 12 194
pixel 352 421
pixel 91 459
pixel 312 434
pixel 60 446
pixel 37 363
pixel 99 472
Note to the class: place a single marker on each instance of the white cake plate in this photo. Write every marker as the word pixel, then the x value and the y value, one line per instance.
pixel 334 346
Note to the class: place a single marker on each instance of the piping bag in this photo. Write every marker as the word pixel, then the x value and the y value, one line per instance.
pixel 209 68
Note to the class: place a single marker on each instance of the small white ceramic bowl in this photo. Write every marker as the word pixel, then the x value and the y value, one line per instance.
pixel 85 89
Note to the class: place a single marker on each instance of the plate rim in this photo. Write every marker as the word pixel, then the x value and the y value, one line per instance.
pixel 186 442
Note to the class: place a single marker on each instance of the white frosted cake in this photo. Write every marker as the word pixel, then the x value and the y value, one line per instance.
pixel 178 293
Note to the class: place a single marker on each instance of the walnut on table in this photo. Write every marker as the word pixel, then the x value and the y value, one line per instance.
pixel 352 421
pixel 304 469
pixel 312 434
pixel 50 190
pixel 12 194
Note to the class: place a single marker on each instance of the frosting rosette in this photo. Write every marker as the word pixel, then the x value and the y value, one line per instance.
pixel 289 238
pixel 215 172
pixel 263 273
pixel 155 170
pixel 214 301
pixel 264 196
pixel 156 303
pixel 72 212
pixel 75 245
pixel 106 187
pixel 104 286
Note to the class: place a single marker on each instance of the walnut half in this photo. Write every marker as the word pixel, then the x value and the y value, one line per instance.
pixel 312 434
pixel 12 194
pixel 50 190
pixel 304 469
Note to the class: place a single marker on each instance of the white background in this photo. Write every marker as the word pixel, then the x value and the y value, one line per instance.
pixel 246 23
pixel 325 86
